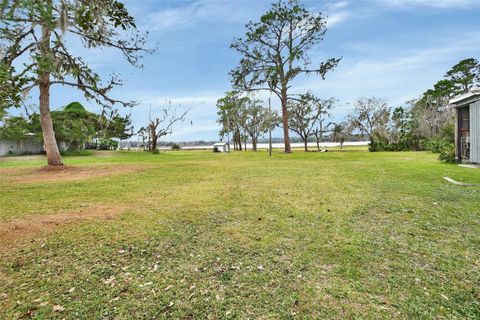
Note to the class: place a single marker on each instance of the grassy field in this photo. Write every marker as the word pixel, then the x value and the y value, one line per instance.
pixel 194 235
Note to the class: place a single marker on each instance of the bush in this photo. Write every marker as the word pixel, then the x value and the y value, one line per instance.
pixel 436 145
pixel 383 146
pixel 175 146
pixel 376 146
pixel 447 154
pixel 107 144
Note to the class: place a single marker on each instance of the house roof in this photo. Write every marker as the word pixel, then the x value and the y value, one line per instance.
pixel 467 98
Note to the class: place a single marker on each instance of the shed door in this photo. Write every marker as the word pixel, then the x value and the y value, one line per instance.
pixel 464 133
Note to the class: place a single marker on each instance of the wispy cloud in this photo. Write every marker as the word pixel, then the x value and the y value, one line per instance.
pixel 337 12
pixel 337 18
pixel 191 14
pixel 445 4
pixel 398 77
pixel 200 98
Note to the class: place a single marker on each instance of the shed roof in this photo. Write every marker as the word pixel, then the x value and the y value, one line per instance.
pixel 220 144
pixel 467 98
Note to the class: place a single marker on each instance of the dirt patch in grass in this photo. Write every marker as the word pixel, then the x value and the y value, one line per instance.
pixel 70 173
pixel 18 232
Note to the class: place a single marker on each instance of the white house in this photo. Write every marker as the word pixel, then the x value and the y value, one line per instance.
pixel 221 147
pixel 467 126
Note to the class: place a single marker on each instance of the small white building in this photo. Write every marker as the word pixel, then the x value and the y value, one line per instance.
pixel 467 126
pixel 221 147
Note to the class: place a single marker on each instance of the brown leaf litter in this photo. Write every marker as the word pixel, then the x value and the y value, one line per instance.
pixel 17 232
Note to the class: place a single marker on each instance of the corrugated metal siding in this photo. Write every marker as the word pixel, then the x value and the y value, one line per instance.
pixel 475 132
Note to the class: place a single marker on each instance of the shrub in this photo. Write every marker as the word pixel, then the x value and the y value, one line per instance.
pixel 436 145
pixel 379 145
pixel 447 154
pixel 107 144
pixel 175 146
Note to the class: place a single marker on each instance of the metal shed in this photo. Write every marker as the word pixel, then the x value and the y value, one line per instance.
pixel 467 126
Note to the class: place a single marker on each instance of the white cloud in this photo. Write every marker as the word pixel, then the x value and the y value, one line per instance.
pixel 177 17
pixel 339 5
pixel 445 4
pixel 336 12
pixel 398 76
pixel 337 18
pixel 200 12
pixel 190 100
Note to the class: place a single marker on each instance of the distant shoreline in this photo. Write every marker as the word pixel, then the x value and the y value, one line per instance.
pixel 277 145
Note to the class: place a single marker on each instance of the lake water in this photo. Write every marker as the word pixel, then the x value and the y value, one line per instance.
pixel 311 145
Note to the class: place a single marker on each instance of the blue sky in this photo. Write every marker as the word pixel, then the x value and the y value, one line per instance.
pixel 394 49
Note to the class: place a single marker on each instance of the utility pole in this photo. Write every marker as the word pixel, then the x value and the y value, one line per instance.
pixel 269 126
pixel 228 131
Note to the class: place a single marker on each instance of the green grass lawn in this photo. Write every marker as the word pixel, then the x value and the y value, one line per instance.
pixel 234 236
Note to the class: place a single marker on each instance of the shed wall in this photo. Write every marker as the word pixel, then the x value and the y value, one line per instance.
pixel 20 147
pixel 475 132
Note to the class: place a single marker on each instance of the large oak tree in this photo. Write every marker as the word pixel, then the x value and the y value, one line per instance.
pixel 307 115
pixel 35 53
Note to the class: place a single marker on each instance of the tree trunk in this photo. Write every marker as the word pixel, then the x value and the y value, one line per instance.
pixel 318 143
pixel 239 141
pixel 286 136
pixel 154 144
pixel 305 144
pixel 254 144
pixel 245 142
pixel 49 141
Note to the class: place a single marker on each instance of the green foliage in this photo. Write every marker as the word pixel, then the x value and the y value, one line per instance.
pixel 15 128
pixel 464 75
pixel 10 87
pixel 107 144
pixel 73 126
pixel 436 145
pixel 429 123
pixel 114 126
pixel 175 146
pixel 341 132
pixel 75 107
pixel 230 111
pixel 448 132
pixel 447 153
